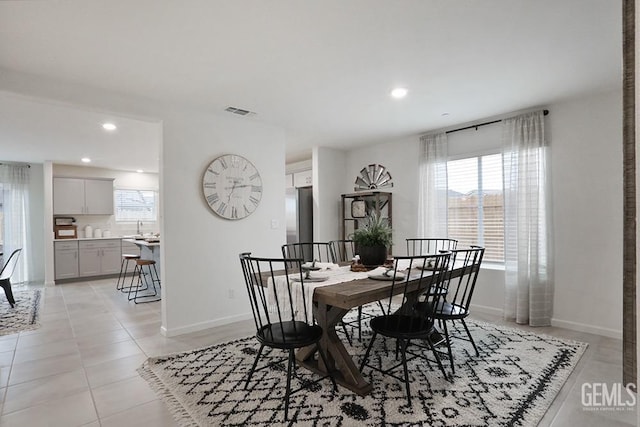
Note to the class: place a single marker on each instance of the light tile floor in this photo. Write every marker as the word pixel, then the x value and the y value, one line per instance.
pixel 79 367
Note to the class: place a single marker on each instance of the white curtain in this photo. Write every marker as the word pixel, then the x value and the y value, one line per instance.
pixel 528 287
pixel 14 180
pixel 432 199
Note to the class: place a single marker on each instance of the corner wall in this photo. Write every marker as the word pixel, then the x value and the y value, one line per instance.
pixel 586 169
pixel 586 172
pixel 202 280
pixel 328 180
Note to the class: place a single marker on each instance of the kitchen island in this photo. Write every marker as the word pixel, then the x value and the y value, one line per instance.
pixel 149 249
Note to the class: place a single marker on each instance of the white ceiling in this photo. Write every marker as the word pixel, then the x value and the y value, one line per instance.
pixel 321 70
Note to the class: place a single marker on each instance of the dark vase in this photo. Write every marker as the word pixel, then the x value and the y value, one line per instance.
pixel 372 255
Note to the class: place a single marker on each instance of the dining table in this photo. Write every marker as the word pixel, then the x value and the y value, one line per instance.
pixel 330 304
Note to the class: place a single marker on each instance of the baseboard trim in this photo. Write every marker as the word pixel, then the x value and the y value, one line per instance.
pixel 591 329
pixel 486 309
pixel 565 324
pixel 197 327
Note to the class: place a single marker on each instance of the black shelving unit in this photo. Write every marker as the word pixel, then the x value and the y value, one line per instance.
pixel 379 202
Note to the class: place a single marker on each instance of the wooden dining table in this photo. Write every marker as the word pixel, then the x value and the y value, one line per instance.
pixel 330 304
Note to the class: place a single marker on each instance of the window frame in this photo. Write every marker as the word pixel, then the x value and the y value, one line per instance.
pixel 478 154
pixel 156 204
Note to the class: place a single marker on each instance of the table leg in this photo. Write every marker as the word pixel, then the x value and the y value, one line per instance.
pixel 340 362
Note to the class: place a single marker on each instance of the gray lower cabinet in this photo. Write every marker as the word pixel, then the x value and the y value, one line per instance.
pixel 99 257
pixel 66 259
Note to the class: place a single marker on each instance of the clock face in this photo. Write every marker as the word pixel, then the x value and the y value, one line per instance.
pixel 232 186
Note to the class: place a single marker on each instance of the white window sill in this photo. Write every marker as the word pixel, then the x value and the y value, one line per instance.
pixel 492 266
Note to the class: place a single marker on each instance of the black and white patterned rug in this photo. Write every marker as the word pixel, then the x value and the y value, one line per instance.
pixel 511 383
pixel 24 316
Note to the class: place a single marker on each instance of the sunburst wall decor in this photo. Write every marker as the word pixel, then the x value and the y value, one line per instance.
pixel 373 177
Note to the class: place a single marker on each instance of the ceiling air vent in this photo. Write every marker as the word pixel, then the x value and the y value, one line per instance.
pixel 239 111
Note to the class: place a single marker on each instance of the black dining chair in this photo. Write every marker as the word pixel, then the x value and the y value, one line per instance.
pixel 405 324
pixel 425 246
pixel 308 251
pixel 455 306
pixel 342 251
pixel 280 324
pixel 6 273
pixel 312 251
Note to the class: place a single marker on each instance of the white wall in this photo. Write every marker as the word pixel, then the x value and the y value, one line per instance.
pixel 200 265
pixel 401 158
pixel 586 168
pixel 328 181
pixel 586 173
pixel 36 223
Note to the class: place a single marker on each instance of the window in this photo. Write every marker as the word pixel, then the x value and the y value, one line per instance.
pixel 134 205
pixel 475 204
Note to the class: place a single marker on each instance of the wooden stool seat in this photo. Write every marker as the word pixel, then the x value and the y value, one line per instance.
pixel 145 262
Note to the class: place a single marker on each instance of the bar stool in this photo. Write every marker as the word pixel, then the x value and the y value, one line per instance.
pixel 124 265
pixel 142 277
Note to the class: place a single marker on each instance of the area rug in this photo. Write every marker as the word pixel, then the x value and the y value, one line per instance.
pixel 24 316
pixel 511 383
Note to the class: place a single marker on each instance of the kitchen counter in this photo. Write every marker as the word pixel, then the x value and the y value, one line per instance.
pixel 89 238
pixel 141 242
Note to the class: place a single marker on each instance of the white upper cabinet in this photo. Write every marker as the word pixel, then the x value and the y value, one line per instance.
pixel 98 196
pixel 302 179
pixel 77 196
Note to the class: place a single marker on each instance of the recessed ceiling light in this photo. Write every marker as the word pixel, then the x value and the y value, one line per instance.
pixel 445 114
pixel 140 171
pixel 399 92
pixel 109 126
pixel 86 160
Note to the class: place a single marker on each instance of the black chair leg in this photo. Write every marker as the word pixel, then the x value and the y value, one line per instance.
pixel 344 328
pixel 360 323
pixel 446 336
pixel 403 351
pixel 288 392
pixel 324 360
pixel 6 286
pixel 470 337
pixel 366 355
pixel 253 368
pixel 435 354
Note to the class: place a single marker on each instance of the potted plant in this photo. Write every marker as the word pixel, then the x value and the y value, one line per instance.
pixel 372 240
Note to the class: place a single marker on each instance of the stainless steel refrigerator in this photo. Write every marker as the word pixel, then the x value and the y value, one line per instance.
pixel 299 211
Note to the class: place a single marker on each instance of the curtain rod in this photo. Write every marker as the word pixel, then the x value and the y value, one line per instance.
pixel 15 164
pixel 545 112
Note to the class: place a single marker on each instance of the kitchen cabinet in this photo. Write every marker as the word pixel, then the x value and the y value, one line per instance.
pixel 99 257
pixel 66 260
pixel 77 196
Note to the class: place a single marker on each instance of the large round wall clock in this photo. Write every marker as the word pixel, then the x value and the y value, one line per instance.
pixel 232 186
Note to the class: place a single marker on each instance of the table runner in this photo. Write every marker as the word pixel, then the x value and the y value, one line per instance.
pixel 334 276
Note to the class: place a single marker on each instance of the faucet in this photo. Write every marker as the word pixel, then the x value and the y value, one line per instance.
pixel 138 226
